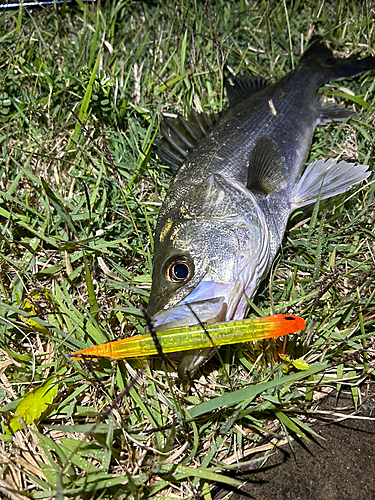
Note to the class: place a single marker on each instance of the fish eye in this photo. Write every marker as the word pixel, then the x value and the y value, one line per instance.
pixel 179 270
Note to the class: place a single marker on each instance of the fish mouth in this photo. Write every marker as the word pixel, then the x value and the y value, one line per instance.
pixel 210 302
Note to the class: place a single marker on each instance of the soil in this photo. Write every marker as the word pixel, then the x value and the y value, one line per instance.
pixel 340 467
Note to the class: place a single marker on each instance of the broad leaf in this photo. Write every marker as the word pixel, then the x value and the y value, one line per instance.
pixel 33 404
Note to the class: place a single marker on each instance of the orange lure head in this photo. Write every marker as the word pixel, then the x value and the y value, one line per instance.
pixel 293 324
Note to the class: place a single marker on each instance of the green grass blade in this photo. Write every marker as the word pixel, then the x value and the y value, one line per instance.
pixel 250 392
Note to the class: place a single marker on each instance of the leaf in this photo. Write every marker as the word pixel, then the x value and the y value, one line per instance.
pixel 181 472
pixel 86 100
pixel 33 404
pixel 284 357
pixel 284 419
pixel 353 98
pixel 28 307
pixel 183 53
pixel 94 308
pixel 59 207
pixel 354 389
pixel 300 364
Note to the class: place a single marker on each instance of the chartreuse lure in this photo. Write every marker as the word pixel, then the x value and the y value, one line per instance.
pixel 196 337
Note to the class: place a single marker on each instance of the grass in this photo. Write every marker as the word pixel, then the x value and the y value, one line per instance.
pixel 81 94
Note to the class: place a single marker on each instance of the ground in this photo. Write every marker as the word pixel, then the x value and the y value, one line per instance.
pixel 339 467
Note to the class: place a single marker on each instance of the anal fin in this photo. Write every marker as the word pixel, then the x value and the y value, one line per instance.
pixel 326 178
pixel 332 112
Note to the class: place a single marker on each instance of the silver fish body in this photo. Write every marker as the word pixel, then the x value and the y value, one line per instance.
pixel 225 215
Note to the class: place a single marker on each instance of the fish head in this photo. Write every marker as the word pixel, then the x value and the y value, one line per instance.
pixel 211 251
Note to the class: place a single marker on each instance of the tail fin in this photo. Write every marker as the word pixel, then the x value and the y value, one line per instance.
pixel 330 67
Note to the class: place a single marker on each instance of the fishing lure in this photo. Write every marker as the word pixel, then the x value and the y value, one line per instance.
pixel 196 337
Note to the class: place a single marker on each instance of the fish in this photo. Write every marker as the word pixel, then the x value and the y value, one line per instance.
pixel 238 178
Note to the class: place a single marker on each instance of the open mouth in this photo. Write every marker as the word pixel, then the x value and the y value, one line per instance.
pixel 210 302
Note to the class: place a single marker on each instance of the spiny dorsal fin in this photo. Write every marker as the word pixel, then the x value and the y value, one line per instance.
pixel 267 170
pixel 181 135
pixel 239 89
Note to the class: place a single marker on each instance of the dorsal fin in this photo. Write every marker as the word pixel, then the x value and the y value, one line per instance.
pixel 239 89
pixel 180 135
pixel 267 171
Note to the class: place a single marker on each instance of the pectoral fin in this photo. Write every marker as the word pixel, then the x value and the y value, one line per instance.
pixel 267 170
pixel 326 178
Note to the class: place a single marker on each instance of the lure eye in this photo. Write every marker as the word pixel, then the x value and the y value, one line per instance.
pixel 179 270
